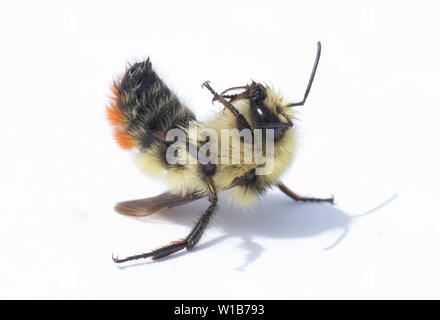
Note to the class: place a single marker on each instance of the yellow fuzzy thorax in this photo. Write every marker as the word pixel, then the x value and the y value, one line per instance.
pixel 189 179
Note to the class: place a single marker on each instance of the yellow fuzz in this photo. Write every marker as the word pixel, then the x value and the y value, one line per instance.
pixel 189 179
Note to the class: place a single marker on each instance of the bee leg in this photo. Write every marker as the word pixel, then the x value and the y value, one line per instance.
pixel 191 240
pixel 237 96
pixel 207 85
pixel 297 197
pixel 195 235
pixel 241 120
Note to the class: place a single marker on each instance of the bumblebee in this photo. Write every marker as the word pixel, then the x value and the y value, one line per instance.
pixel 143 110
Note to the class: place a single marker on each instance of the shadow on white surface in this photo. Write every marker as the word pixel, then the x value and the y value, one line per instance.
pixel 273 217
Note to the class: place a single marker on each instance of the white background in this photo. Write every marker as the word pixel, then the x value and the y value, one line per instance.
pixel 368 135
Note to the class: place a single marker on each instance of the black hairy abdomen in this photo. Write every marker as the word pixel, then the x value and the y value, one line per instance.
pixel 150 107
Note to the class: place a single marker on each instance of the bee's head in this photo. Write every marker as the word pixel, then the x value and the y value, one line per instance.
pixel 256 92
pixel 267 108
pixel 136 79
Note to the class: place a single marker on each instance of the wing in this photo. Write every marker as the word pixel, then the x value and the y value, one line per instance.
pixel 147 206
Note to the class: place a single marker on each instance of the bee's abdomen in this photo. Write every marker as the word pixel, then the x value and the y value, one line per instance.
pixel 143 109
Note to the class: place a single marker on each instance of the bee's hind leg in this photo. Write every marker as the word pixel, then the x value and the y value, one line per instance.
pixel 191 240
pixel 297 197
